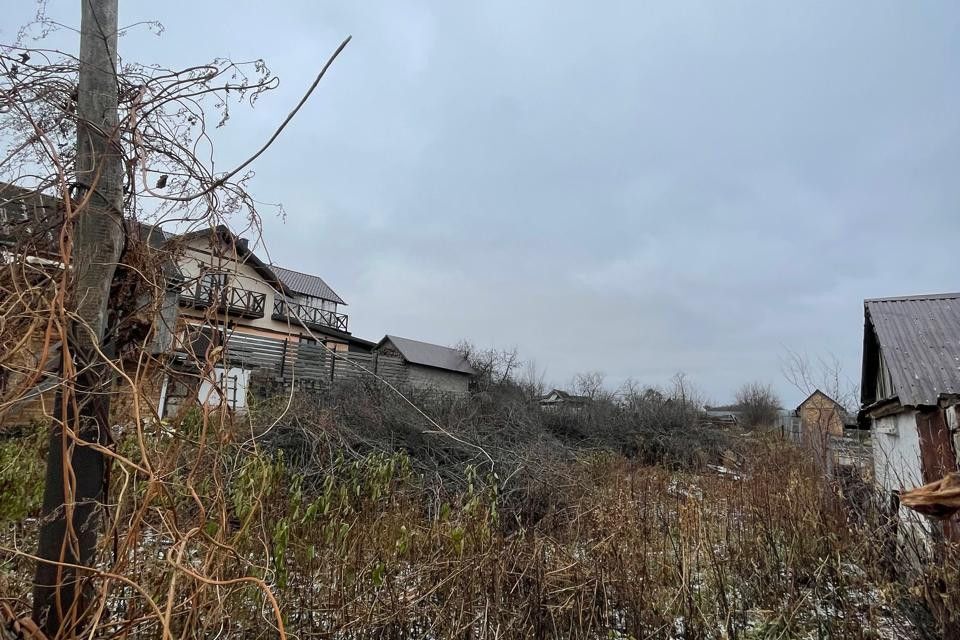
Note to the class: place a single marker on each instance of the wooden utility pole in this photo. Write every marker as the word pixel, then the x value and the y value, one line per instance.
pixel 76 473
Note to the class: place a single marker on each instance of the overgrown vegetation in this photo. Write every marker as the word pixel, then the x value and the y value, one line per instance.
pixel 758 404
pixel 21 474
pixel 350 512
pixel 343 514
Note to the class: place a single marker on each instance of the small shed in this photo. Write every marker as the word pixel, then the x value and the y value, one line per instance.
pixel 828 430
pixel 821 416
pixel 429 366
pixel 910 389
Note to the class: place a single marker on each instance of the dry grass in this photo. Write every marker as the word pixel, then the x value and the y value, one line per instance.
pixel 331 532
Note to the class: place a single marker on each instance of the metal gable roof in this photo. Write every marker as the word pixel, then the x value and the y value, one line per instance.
pixel 430 355
pixel 919 338
pixel 306 284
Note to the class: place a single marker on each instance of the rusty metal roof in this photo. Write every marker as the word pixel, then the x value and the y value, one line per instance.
pixel 306 284
pixel 918 338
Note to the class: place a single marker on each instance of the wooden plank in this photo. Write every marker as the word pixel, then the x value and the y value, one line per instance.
pixel 937 457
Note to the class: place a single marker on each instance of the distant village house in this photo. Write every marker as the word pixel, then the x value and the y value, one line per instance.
pixel 827 429
pixel 263 315
pixel 817 418
pixel 558 399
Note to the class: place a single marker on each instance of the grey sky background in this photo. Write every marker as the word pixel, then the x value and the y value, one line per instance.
pixel 638 188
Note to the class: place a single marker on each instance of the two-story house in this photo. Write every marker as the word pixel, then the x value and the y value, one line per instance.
pixel 225 280
pixel 214 314
pixel 263 316
pixel 312 304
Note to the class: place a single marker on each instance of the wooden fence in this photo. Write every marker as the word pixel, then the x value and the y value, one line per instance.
pixel 291 361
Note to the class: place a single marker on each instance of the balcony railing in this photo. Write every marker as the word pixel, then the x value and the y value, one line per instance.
pixel 229 300
pixel 310 316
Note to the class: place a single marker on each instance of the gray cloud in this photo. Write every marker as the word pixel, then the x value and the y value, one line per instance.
pixel 638 188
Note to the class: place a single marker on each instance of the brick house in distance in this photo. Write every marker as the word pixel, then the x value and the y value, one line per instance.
pixel 821 416
pixel 831 432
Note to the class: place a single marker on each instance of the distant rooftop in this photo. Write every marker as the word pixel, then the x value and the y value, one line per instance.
pixel 565 396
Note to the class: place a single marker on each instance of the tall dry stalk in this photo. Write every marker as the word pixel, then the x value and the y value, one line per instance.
pixel 87 277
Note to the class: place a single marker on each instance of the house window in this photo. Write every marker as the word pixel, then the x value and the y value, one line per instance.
pixel 307 340
pixel 214 280
pixel 319 303
pixel 210 286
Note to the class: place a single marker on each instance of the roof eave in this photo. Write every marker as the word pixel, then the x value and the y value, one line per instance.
pixel 880 408
pixel 243 250
pixel 435 367
pixel 928 296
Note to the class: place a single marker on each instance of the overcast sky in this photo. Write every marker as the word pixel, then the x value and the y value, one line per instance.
pixel 638 188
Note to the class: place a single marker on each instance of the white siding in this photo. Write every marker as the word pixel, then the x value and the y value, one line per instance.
pixel 896 452
pixel 196 257
pixel 896 461
pixel 953 423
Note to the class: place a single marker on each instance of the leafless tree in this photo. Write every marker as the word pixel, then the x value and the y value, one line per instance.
pixel 111 144
pixel 532 379
pixel 687 393
pixel 824 372
pixel 758 404
pixel 591 384
pixel 679 404
pixel 494 367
